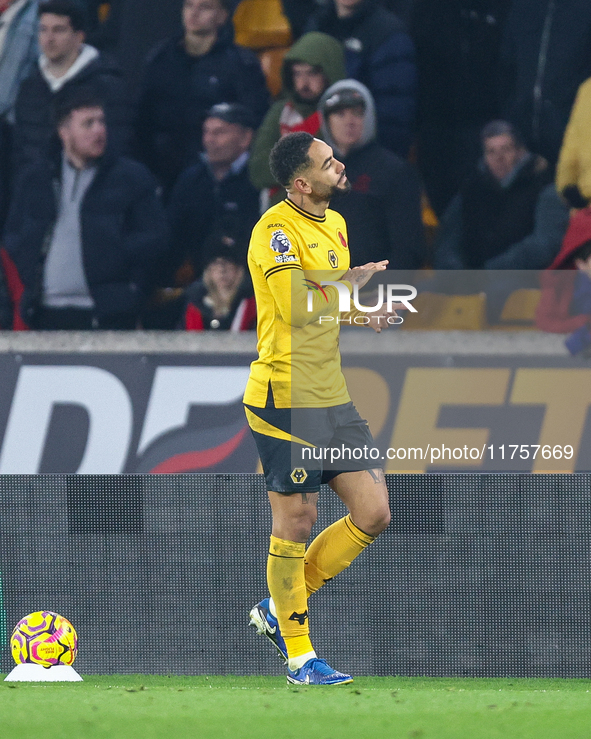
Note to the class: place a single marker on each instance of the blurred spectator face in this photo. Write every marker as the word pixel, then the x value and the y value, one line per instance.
pixel 308 82
pixel 346 7
pixel 222 275
pixel 57 39
pixel 502 154
pixel 84 134
pixel 203 17
pixel 225 142
pixel 346 127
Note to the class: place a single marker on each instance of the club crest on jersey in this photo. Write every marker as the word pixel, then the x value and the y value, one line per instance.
pixel 279 242
pixel 333 259
pixel 342 239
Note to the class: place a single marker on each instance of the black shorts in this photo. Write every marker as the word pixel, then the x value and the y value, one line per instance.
pixel 300 448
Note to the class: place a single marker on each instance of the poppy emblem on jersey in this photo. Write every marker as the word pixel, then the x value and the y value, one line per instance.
pixel 299 475
pixel 279 242
pixel 333 259
pixel 342 239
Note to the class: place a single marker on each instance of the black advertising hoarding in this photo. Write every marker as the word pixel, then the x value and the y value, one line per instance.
pixel 102 414
pixel 110 413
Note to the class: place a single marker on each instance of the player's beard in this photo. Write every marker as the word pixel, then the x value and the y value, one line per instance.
pixel 340 190
pixel 325 193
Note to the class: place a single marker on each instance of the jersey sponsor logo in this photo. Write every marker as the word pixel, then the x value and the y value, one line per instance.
pixel 342 239
pixel 312 246
pixel 333 259
pixel 282 258
pixel 279 242
pixel 276 225
pixel 299 475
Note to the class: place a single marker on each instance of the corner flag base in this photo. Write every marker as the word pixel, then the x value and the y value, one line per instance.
pixel 37 674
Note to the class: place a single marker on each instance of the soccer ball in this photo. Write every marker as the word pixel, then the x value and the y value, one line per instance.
pixel 44 638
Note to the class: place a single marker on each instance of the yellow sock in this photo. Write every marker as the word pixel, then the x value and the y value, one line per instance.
pixel 332 551
pixel 287 586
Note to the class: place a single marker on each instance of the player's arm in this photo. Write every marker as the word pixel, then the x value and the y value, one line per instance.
pixel 302 301
pixel 360 276
pixel 294 295
pixel 275 248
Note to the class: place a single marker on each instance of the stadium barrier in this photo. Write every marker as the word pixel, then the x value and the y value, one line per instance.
pixel 478 574
pixel 157 402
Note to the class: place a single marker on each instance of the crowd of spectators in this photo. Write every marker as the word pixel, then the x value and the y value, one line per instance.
pixel 313 63
pixel 135 138
pixel 86 228
pixel 507 213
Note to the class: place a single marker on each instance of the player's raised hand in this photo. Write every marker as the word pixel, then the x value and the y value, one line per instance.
pixel 362 275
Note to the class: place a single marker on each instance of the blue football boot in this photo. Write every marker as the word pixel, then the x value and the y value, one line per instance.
pixel 317 672
pixel 266 623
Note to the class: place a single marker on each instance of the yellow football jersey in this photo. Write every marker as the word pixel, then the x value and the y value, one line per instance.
pixel 290 253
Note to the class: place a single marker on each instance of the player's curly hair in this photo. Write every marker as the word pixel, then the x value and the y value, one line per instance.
pixel 289 157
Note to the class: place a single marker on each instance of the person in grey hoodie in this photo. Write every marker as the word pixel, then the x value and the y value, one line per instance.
pixel 383 208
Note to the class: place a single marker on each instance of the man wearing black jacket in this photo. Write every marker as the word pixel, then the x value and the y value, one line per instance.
pixel 379 53
pixel 507 214
pixel 65 65
pixel 184 77
pixel 546 55
pixel 383 208
pixel 85 229
pixel 215 194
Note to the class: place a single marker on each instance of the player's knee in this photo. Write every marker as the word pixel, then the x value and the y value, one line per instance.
pixel 379 520
pixel 294 531
pixel 295 526
pixel 304 522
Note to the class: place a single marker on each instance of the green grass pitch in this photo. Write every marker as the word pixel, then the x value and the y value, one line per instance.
pixel 159 707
